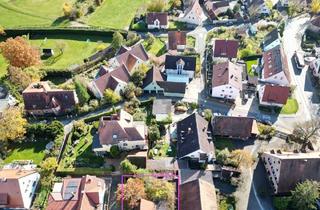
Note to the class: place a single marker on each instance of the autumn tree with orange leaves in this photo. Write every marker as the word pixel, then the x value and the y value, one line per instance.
pixel 133 191
pixel 20 53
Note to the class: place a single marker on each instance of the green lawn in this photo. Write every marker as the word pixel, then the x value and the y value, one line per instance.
pixel 249 64
pixel 177 25
pixel 221 143
pixel 291 107
pixel 16 13
pixel 27 151
pixel 116 14
pixel 191 41
pixel 75 50
pixel 3 66
pixel 158 47
pixel 163 150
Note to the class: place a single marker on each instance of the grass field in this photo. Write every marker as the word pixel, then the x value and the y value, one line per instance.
pixel 249 64
pixel 75 49
pixel 27 151
pixel 116 14
pixel 291 107
pixel 3 66
pixel 31 12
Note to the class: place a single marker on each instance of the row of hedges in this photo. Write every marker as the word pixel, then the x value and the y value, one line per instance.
pixel 84 171
pixel 44 31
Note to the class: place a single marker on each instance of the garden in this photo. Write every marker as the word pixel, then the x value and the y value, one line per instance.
pixel 249 64
pixel 291 107
pixel 3 66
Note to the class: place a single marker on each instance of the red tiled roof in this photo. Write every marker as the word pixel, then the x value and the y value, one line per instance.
pixel 226 48
pixel 176 38
pixel 130 56
pixel 161 16
pixel 275 94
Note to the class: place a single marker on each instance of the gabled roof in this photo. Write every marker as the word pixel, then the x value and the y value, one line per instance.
pixel 188 175
pixel 275 94
pixel 153 75
pixel 236 127
pixel 271 37
pixel 188 62
pixel 120 127
pixel 194 7
pixel 274 62
pixel 129 56
pixel 40 95
pixel 176 38
pixel 216 8
pixel 110 79
pixel 226 48
pixel 161 16
pixel 77 194
pixel 193 134
pixel 227 73
pixel 198 195
pixel 173 87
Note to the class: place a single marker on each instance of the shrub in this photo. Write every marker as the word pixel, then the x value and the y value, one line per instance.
pixel 127 167
pixel 82 92
pixel 115 151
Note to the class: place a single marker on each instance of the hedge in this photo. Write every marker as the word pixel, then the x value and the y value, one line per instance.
pixel 98 116
pixel 36 31
pixel 84 171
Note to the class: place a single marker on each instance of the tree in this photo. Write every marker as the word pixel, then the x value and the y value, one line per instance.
pixel 117 40
pixel 153 133
pixel 23 77
pixel 207 114
pixel 114 151
pixel 67 9
pixel 111 97
pixel 240 158
pixel 2 32
pixel 305 195
pixel 222 156
pixel 304 132
pixel 131 192
pixel 160 190
pixel 12 125
pixel 20 53
pixel 129 91
pixel 82 92
pixel 315 7
pixel 127 167
pixel 176 3
pixel 132 105
pixel 48 166
pixel 139 74
pixel 156 6
pixel 55 128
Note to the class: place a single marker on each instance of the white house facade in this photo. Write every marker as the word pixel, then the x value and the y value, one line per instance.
pixel 279 79
pixel 225 91
pixel 193 15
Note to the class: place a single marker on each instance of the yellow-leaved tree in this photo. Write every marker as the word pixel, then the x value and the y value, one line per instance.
pixel 12 125
pixel 315 7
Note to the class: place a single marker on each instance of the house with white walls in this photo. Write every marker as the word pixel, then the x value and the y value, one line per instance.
pixel 193 14
pixel 226 80
pixel 157 20
pixel 286 169
pixel 120 130
pixel 18 185
pixel 194 140
pixel 275 67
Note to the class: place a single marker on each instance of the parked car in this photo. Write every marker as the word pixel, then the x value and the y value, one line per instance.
pixel 299 59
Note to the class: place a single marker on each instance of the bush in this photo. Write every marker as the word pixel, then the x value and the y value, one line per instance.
pixel 115 151
pixel 281 203
pixel 82 92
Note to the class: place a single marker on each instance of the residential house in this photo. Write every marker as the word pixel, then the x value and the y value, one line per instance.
pixel 180 68
pixel 285 169
pixel 275 67
pixel 234 127
pixel 131 57
pixel 115 80
pixel 216 8
pixel 193 14
pixel 177 40
pixel 194 139
pixel 155 82
pixel 40 99
pixel 157 20
pixel 273 95
pixel 6 100
pixel 257 8
pixel 226 80
pixel 271 40
pixel 225 48
pixel 197 191
pixel 18 184
pixel 85 193
pixel 120 130
pixel 162 109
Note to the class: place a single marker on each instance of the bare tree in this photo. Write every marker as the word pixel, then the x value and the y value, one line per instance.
pixel 305 132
